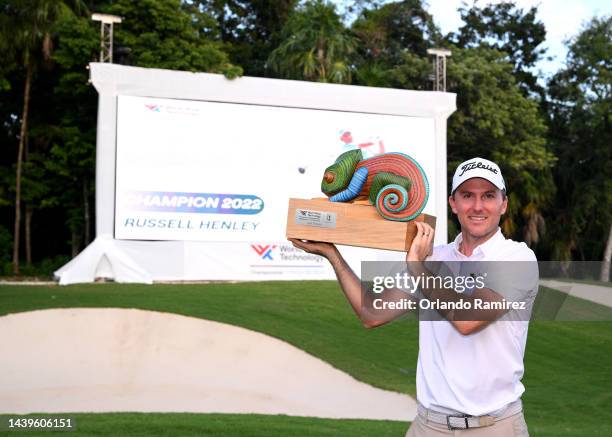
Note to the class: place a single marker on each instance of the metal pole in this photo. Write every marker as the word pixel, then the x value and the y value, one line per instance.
pixel 101 42
pixel 106 35
pixel 439 68
pixel 110 47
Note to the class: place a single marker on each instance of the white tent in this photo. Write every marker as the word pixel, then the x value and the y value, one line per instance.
pixel 150 128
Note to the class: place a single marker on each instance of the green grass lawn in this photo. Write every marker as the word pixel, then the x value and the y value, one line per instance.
pixel 244 425
pixel 568 364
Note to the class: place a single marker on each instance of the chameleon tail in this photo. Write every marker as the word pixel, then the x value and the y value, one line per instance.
pixel 389 194
pixel 384 178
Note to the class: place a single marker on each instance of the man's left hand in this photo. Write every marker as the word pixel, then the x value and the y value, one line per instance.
pixel 422 244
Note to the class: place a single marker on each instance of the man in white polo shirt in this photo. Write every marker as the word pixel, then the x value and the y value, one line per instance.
pixel 470 366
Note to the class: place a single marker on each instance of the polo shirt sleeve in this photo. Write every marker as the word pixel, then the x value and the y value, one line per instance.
pixel 514 276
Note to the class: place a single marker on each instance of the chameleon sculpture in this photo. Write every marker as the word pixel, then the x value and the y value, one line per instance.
pixel 393 182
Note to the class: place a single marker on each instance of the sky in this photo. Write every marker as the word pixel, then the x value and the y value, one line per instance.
pixel 562 18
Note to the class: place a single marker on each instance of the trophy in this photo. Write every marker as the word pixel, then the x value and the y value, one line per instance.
pixel 370 202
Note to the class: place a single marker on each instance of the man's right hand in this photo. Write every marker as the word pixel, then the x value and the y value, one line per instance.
pixel 315 247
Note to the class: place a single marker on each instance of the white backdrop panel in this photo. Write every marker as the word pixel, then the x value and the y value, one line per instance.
pixel 214 142
pixel 208 171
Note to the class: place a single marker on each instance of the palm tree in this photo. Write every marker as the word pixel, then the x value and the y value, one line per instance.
pixel 25 33
pixel 315 46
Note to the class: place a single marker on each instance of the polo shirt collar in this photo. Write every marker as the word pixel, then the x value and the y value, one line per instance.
pixel 487 248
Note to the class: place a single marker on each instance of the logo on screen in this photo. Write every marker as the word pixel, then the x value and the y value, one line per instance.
pixel 369 146
pixel 264 251
pixel 173 109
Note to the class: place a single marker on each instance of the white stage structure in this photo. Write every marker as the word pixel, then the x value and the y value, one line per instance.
pixel 194 171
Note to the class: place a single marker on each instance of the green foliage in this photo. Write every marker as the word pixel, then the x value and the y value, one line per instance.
pixel 25 26
pixel 412 72
pixel 71 167
pixel 315 46
pixel 509 29
pixel 6 183
pixel 395 37
pixel 44 268
pixel 5 69
pixel 232 71
pixel 250 30
pixel 395 28
pixel 78 43
pixel 6 249
pixel 580 115
pixel 164 34
pixel 557 174
pixel 26 40
pixel 494 120
pixel 70 158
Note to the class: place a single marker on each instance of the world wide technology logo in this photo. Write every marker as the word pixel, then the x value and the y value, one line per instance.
pixel 286 253
pixel 174 110
pixel 264 251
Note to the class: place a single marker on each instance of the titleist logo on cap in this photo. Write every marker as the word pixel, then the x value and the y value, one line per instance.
pixel 473 165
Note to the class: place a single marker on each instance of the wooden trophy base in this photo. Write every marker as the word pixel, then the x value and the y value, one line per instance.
pixel 352 224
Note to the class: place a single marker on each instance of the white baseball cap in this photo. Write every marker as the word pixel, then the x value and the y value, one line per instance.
pixel 478 168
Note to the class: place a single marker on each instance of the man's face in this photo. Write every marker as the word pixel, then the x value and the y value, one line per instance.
pixel 479 206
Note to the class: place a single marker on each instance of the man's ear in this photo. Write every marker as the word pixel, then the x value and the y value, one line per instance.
pixel 504 205
pixel 451 202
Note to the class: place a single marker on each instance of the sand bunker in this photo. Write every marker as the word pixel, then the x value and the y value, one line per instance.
pixel 102 360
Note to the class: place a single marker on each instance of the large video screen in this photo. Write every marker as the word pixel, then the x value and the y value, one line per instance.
pixel 209 171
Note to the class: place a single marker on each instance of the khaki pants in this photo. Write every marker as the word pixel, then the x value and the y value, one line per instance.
pixel 511 426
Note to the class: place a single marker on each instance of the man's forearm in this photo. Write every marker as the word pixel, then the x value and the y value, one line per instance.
pixel 362 301
pixel 349 282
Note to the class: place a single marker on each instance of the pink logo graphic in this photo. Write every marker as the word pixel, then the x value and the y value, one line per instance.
pixel 369 148
pixel 346 137
pixel 264 251
pixel 154 108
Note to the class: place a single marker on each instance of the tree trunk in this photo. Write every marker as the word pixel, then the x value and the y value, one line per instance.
pixel 22 136
pixel 605 268
pixel 321 60
pixel 28 233
pixel 28 210
pixel 86 217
